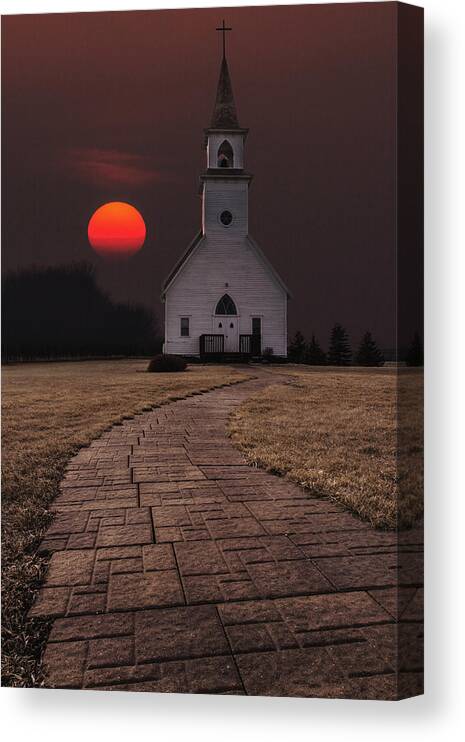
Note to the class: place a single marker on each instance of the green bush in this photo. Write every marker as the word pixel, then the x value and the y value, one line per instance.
pixel 268 355
pixel 167 363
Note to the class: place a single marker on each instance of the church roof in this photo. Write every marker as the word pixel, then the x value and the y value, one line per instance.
pixel 224 113
pixel 168 280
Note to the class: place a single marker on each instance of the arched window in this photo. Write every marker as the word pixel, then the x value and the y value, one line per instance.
pixel 225 155
pixel 225 306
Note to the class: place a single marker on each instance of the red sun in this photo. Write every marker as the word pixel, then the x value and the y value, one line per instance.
pixel 116 229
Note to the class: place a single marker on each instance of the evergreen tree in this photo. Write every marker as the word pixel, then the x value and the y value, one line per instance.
pixel 415 352
pixel 314 355
pixel 296 349
pixel 340 353
pixel 368 353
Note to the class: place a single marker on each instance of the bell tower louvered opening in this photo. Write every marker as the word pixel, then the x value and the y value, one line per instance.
pixel 225 155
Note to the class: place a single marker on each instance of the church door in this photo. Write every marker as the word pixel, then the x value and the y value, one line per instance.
pixel 228 326
pixel 231 340
pixel 226 322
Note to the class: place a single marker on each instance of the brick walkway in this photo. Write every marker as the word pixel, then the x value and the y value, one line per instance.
pixel 176 567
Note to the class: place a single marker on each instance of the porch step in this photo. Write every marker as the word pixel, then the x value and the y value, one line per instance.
pixel 225 358
pixel 234 357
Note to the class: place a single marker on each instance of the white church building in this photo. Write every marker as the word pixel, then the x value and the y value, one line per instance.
pixel 223 297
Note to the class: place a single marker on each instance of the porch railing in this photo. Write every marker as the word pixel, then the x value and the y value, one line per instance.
pixel 211 345
pixel 250 345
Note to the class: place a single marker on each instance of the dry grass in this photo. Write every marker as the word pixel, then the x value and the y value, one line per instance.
pixel 354 435
pixel 50 410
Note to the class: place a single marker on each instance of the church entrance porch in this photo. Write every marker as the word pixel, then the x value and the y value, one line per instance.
pixel 213 347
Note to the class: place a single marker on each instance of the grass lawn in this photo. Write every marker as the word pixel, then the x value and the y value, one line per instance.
pixel 337 432
pixel 50 410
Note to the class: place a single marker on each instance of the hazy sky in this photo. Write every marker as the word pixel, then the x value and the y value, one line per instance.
pixel 111 106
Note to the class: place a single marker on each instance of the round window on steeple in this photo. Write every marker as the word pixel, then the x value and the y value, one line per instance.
pixel 226 218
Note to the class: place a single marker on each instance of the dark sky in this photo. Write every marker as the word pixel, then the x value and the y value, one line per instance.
pixel 111 106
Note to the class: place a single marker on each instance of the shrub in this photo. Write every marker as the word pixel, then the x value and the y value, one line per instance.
pixel 167 363
pixel 267 355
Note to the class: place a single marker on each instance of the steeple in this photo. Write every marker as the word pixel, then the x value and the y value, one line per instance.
pixel 224 113
pixel 225 138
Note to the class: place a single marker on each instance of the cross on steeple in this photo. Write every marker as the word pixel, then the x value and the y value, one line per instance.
pixel 224 29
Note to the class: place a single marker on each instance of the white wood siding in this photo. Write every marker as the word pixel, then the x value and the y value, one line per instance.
pixel 218 196
pixel 225 256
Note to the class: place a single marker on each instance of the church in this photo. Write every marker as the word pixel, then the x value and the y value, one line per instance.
pixel 223 298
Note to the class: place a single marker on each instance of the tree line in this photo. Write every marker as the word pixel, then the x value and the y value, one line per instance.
pixel 60 312
pixel 340 351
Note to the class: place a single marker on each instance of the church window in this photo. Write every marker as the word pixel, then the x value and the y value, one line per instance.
pixel 225 306
pixel 225 155
pixel 184 327
pixel 226 218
